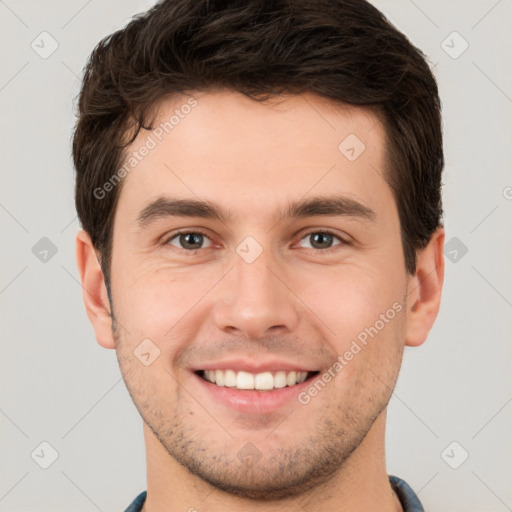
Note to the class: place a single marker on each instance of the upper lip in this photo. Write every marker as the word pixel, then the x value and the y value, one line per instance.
pixel 253 366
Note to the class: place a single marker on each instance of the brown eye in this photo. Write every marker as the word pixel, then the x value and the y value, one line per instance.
pixel 188 240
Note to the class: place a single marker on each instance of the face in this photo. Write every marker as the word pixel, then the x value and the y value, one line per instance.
pixel 292 263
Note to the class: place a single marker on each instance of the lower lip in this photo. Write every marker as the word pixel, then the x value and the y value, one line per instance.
pixel 251 400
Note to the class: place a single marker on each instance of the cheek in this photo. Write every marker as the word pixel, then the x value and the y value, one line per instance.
pixel 159 300
pixel 347 299
pixel 360 311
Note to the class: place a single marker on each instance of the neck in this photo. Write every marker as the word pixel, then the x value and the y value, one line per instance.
pixel 361 483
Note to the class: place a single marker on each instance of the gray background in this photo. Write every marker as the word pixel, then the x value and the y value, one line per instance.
pixel 58 386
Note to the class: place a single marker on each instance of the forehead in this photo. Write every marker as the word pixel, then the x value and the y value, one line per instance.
pixel 254 157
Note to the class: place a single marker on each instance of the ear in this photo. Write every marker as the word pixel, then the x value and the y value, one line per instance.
pixel 424 290
pixel 94 291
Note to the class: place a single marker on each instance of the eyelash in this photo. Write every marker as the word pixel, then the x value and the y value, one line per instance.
pixel 200 232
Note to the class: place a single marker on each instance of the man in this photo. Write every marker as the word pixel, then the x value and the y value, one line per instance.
pixel 258 184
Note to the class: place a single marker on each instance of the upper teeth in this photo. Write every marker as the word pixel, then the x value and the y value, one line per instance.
pixel 246 380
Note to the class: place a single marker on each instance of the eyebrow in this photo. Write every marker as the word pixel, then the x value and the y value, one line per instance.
pixel 332 206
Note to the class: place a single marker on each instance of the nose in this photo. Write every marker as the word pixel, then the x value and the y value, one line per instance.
pixel 256 300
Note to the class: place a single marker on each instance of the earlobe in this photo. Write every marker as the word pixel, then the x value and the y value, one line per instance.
pixel 94 291
pixel 424 290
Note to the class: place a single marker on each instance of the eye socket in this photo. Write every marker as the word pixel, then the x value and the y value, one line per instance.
pixel 196 237
pixel 188 237
pixel 323 238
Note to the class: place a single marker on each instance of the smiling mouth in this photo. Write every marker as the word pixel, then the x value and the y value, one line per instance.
pixel 265 381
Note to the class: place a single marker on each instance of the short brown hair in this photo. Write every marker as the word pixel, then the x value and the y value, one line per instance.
pixel 345 50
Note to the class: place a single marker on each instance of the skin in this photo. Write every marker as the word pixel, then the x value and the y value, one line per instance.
pixel 296 302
